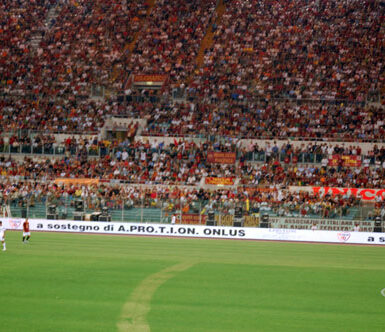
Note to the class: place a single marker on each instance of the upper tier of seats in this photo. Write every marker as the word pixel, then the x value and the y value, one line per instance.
pixel 265 119
pixel 81 47
pixel 303 49
pixel 263 54
pixel 19 21
pixel 171 38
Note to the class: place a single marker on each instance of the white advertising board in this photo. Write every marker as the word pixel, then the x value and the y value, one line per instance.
pixel 195 231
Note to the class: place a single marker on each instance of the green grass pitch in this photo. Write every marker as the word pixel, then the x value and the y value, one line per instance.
pixel 78 282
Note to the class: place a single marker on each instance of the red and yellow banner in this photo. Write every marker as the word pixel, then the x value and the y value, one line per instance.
pixel 193 219
pixel 82 181
pixel 150 78
pixel 219 181
pixel 221 157
pixel 252 190
pixel 365 194
pixel 347 161
pixel 362 193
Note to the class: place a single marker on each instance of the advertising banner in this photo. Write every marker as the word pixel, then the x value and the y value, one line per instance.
pixel 196 231
pixel 347 161
pixel 364 194
pixel 221 157
pixel 150 78
pixel 321 224
pixel 193 219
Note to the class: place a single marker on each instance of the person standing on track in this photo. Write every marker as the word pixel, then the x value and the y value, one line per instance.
pixel 26 231
pixel 2 235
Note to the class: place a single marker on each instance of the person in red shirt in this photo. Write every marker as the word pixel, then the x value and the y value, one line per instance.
pixel 26 231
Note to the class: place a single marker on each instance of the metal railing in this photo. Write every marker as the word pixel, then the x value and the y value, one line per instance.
pixel 51 149
pixel 150 209
pixel 97 151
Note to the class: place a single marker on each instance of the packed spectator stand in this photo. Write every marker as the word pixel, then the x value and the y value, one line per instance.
pixel 268 119
pixel 302 49
pixel 171 38
pixel 186 163
pixel 168 200
pixel 288 70
pixel 19 21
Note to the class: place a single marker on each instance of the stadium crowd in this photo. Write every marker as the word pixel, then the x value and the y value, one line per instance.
pixel 19 21
pixel 187 163
pixel 302 49
pixel 309 175
pixel 267 119
pixel 137 163
pixel 263 119
pixel 257 49
pixel 171 199
pixel 312 152
pixel 170 40
pixel 81 48
pixel 61 116
pixel 299 49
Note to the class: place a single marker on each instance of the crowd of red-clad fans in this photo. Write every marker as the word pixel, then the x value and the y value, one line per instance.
pixel 19 21
pixel 267 119
pixel 186 163
pixel 302 49
pixel 171 38
pixel 306 50
pixel 63 115
pixel 81 48
pixel 87 40
pixel 175 199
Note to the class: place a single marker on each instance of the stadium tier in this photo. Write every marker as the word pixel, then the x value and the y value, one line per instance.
pixel 190 205
pixel 300 49
pixel 267 119
pixel 187 163
pixel 171 38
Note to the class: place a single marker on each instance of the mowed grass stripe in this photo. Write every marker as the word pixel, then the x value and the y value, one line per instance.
pixel 64 282
pixel 78 282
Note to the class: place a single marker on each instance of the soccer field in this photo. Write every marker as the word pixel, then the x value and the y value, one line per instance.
pixel 78 282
